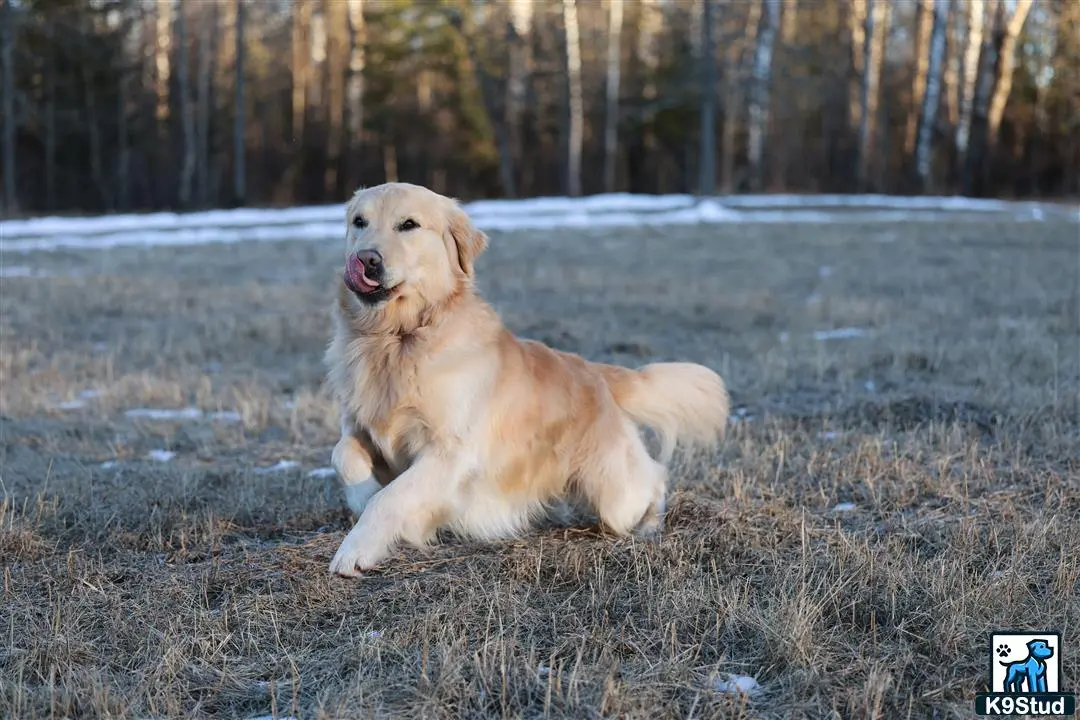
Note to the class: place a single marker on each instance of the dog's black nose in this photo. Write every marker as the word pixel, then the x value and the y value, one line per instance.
pixel 372 262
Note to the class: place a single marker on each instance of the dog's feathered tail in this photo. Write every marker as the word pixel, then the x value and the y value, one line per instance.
pixel 679 401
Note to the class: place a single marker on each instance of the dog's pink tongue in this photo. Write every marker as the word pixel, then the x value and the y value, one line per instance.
pixel 355 269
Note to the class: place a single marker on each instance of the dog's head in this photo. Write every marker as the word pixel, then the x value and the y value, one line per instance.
pixel 407 248
pixel 1040 649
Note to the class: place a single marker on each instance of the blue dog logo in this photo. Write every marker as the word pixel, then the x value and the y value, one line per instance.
pixel 1031 670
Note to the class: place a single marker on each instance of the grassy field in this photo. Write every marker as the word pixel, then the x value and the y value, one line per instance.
pixel 882 502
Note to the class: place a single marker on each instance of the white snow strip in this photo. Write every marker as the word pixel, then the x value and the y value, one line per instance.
pixel 70 405
pixel 108 464
pixel 323 472
pixel 159 414
pixel 279 467
pixel 226 416
pixel 161 455
pixel 845 333
pixel 90 394
pixel 594 212
pixel 844 507
pixel 828 435
pixel 736 684
pixel 21 271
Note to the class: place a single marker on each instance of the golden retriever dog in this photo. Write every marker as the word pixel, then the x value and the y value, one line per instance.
pixel 449 421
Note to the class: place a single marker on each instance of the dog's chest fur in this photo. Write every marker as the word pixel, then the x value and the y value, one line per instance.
pixel 382 394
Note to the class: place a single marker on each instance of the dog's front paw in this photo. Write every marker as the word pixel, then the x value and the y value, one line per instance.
pixel 353 556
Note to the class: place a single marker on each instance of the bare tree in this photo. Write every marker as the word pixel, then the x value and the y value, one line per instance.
pixel 162 50
pixel 857 19
pixel 759 95
pixel 611 107
pixel 520 31
pixel 999 97
pixel 976 14
pixel 7 54
pixel 187 115
pixel 790 24
pixel 932 96
pixel 336 51
pixel 239 159
pixel 876 26
pixel 576 101
pixel 207 31
pixel 925 20
pixel 301 59
pixel 707 182
pixel 354 88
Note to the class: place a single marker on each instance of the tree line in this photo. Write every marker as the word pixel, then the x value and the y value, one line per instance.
pixel 121 105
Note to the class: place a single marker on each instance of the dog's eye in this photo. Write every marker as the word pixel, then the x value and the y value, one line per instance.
pixel 407 225
pixel 359 222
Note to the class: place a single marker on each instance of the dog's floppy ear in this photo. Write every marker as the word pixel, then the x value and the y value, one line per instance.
pixel 467 240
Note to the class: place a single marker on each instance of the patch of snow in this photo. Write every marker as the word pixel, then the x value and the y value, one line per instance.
pixel 550 213
pixel 90 394
pixel 20 271
pixel 100 347
pixel 70 405
pixel 272 717
pixel 845 333
pixel 374 634
pixel 828 435
pixel 323 472
pixel 108 464
pixel 824 271
pixel 785 336
pixel 226 416
pixel 736 684
pixel 281 466
pixel 164 414
pixel 844 507
pixel 870 386
pixel 161 455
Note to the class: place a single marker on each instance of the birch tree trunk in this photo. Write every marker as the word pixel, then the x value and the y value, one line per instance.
pixel 187 115
pixel 162 48
pixel 611 112
pixel 707 182
pixel 7 55
pixel 1006 65
pixel 976 11
pixel 520 29
pixel 576 105
pixel 354 91
pixel 922 57
pixel 239 145
pixel 759 97
pixel 932 96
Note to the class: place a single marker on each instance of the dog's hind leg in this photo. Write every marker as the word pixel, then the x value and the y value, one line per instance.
pixel 624 485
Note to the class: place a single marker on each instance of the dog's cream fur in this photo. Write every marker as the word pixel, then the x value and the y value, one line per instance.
pixel 448 420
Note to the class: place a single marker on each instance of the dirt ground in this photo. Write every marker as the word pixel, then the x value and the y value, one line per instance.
pixel 883 501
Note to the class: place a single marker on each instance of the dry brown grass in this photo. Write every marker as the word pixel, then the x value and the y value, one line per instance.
pixel 199 588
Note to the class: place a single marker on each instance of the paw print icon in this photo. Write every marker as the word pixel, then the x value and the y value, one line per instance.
pixel 1002 650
